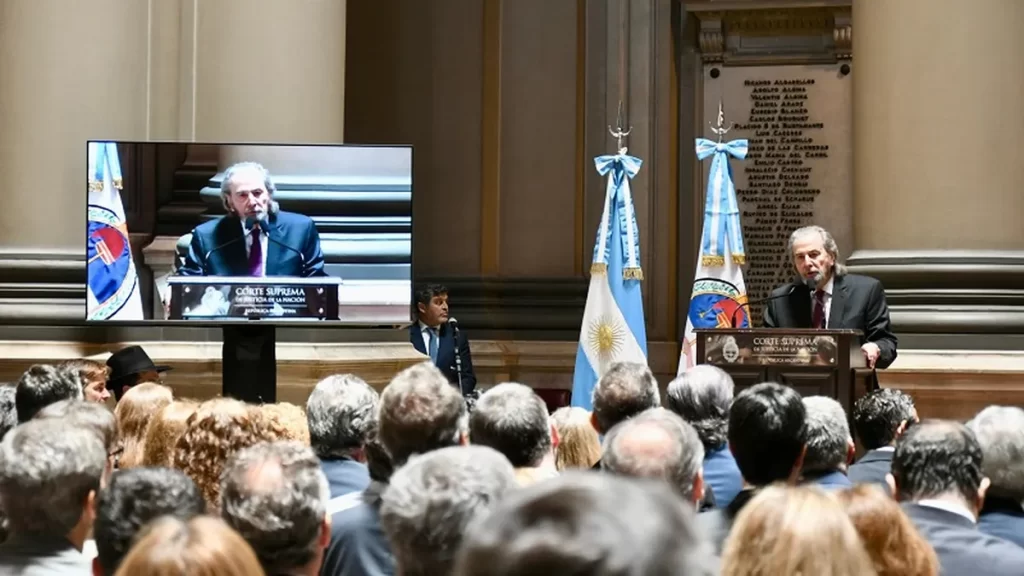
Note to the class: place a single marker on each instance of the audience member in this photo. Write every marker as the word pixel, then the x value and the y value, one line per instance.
pixel 936 473
pixel 1000 433
pixel 202 546
pixel 275 495
pixel 625 390
pixel 586 523
pixel 787 530
pixel 134 498
pixel 42 385
pixel 130 366
pixel 768 437
pixel 657 444
pixel 702 395
pixel 92 377
pixel 879 418
pixel 49 475
pixel 894 545
pixel 830 447
pixel 419 412
pixel 579 446
pixel 134 412
pixel 92 416
pixel 513 419
pixel 341 413
pixel 288 419
pixel 431 501
pixel 8 409
pixel 163 432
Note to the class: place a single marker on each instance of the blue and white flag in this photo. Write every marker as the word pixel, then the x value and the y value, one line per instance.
pixel 113 285
pixel 613 321
pixel 719 293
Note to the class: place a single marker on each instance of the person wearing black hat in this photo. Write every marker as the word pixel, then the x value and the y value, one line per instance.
pixel 130 366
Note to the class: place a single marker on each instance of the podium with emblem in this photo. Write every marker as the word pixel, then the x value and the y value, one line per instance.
pixel 813 362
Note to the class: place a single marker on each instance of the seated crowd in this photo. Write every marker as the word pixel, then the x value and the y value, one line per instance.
pixel 410 481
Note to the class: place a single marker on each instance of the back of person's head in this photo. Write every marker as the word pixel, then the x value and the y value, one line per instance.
pixel 82 414
pixel 133 499
pixel 8 409
pixel 625 390
pixel 587 523
pixel 1000 432
pixel 579 446
pixel 657 444
pixel 42 385
pixel 341 413
pixel 49 474
pixel 419 412
pixel 287 419
pixel 702 395
pixel 202 546
pixel 938 458
pixel 166 426
pixel 829 445
pixel 512 419
pixel 134 412
pixel 794 530
pixel 431 501
pixel 275 495
pixel 767 433
pixel 880 416
pixel 893 543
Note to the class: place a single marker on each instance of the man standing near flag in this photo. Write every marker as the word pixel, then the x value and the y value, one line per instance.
pixel 824 296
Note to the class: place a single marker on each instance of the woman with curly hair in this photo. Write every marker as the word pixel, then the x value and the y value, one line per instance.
pixel 894 544
pixel 166 426
pixel 291 420
pixel 133 414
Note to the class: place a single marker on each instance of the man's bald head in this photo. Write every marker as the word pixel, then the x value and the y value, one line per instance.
pixel 657 444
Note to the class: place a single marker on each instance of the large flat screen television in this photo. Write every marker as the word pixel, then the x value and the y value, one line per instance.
pixel 223 232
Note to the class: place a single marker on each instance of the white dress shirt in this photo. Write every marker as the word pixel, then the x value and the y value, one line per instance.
pixel 425 332
pixel 827 300
pixel 247 232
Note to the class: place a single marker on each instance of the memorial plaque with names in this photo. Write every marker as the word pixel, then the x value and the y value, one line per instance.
pixel 799 166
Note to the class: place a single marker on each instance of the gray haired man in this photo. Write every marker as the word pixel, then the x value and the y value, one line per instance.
pixel 830 447
pixel 275 496
pixel 513 419
pixel 49 476
pixel 1000 432
pixel 342 415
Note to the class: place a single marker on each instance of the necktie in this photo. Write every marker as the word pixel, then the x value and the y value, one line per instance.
pixel 818 320
pixel 433 344
pixel 255 253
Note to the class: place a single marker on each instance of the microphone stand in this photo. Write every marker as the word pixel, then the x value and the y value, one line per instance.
pixel 458 356
pixel 747 305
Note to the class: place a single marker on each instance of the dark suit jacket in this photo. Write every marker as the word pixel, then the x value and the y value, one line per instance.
pixel 872 468
pixel 723 475
pixel 858 303
pixel 716 524
pixel 963 550
pixel 225 239
pixel 1004 518
pixel 446 355
pixel 358 544
pixel 831 480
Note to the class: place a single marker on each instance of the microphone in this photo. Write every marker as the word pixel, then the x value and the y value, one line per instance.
pixel 811 283
pixel 250 221
pixel 748 304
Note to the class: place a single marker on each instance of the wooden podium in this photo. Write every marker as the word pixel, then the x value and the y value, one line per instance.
pixel 813 362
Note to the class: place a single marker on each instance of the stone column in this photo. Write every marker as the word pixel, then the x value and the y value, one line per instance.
pixel 939 161
pixel 269 71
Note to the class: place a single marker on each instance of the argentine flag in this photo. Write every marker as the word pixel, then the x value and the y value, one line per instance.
pixel 719 294
pixel 113 285
pixel 613 321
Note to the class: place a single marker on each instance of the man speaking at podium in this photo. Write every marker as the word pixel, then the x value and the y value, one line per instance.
pixel 825 296
pixel 255 238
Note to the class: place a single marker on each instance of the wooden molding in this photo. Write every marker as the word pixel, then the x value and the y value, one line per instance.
pixel 490 197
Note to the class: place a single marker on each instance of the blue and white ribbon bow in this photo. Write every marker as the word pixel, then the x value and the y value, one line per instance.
pixel 619 199
pixel 721 210
pixel 103 159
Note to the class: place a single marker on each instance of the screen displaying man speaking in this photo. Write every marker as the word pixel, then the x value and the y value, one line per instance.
pixel 255 238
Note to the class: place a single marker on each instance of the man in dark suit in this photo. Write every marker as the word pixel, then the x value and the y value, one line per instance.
pixel 433 335
pixel 937 476
pixel 255 238
pixel 825 296
pixel 768 436
pixel 998 429
pixel 830 447
pixel 879 418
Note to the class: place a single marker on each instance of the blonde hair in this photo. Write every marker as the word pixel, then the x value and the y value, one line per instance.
pixel 794 530
pixel 578 443
pixel 203 546
pixel 289 419
pixel 894 544
pixel 133 413
pixel 163 432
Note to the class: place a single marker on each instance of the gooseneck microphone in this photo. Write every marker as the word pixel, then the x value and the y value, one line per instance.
pixel 249 223
pixel 748 304
pixel 454 324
